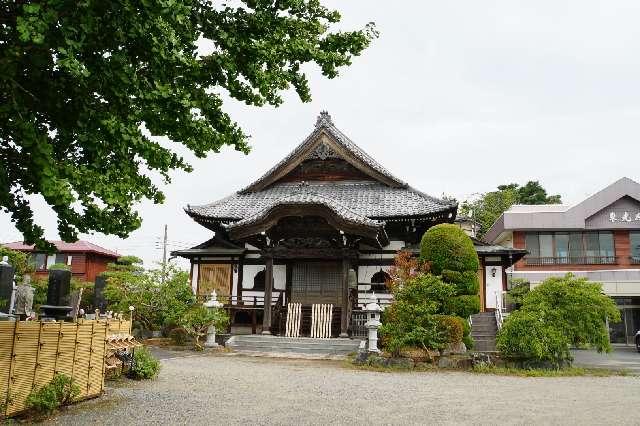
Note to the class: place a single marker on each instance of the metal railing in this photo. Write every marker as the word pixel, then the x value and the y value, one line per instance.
pixel 634 260
pixel 572 260
pixel 498 311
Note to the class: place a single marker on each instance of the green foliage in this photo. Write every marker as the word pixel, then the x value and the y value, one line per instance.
pixel 160 297
pixel 60 391
pixel 59 267
pixel 451 253
pixel 19 260
pixel 560 312
pixel 145 365
pixel 447 247
pixel 519 289
pixel 488 208
pixel 463 306
pixel 452 328
pixel 178 336
pixel 466 282
pixel 412 320
pixel 528 335
pixel 134 71
pixel 431 311
pixel 197 320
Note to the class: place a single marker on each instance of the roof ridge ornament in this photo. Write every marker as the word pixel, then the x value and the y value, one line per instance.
pixel 324 119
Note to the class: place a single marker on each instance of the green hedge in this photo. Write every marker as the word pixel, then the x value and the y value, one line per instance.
pixel 447 247
pixel 466 282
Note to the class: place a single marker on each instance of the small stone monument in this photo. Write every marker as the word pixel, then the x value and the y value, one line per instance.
pixel 212 303
pixel 373 310
pixel 24 298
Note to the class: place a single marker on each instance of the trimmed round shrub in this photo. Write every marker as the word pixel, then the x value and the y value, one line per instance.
pixel 466 282
pixel 447 247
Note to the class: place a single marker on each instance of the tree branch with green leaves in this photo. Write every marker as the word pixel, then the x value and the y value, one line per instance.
pixel 85 86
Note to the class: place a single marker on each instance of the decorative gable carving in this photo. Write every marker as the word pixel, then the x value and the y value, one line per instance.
pixel 322 152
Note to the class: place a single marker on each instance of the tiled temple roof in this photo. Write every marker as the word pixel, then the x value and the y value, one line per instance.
pixel 310 198
pixel 366 199
pixel 362 201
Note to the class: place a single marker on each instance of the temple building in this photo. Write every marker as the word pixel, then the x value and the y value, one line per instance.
pixel 321 227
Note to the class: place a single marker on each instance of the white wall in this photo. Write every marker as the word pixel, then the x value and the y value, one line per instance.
pixel 279 276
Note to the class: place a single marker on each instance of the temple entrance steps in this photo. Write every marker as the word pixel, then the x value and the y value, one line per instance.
pixel 305 347
pixel 483 331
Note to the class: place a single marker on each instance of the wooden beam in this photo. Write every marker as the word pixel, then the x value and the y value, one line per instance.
pixel 268 288
pixel 344 312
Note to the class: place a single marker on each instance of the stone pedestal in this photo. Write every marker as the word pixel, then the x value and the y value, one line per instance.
pixel 211 338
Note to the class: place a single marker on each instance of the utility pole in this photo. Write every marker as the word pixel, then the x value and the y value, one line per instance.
pixel 164 254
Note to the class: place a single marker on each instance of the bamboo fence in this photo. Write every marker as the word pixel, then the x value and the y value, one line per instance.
pixel 32 352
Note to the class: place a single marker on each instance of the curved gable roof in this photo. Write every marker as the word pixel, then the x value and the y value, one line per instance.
pixel 325 132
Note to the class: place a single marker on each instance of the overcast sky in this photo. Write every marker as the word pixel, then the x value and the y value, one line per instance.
pixel 455 97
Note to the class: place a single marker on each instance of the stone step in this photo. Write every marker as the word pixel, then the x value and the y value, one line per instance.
pixel 483 335
pixel 487 327
pixel 483 321
pixel 305 346
pixel 276 340
pixel 488 345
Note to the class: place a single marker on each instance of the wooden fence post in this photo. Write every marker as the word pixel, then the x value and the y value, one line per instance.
pixel 55 364
pixel 35 368
pixel 12 364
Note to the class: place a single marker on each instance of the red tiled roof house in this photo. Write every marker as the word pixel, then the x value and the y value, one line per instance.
pixel 87 260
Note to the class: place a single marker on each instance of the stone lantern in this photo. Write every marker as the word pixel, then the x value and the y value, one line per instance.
pixel 372 309
pixel 212 303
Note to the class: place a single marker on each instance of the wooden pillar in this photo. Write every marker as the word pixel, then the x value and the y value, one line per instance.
pixel 268 288
pixel 344 312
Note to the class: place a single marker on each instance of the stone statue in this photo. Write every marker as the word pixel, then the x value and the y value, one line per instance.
pixel 24 298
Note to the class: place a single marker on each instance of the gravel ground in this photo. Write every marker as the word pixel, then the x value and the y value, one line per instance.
pixel 223 389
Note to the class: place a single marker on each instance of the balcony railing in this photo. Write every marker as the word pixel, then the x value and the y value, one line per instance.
pixel 634 260
pixel 572 260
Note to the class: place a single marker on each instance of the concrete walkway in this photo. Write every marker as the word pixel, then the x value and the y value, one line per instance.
pixel 622 357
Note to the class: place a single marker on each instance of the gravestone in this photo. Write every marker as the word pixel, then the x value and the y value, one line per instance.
pixel 99 300
pixel 6 286
pixel 58 295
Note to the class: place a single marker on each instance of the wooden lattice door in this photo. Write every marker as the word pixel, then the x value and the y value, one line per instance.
pixel 316 282
pixel 214 277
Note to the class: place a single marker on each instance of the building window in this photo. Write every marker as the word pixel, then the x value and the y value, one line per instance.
pixel 39 261
pixel 379 281
pixel 634 240
pixel 61 258
pixel 575 248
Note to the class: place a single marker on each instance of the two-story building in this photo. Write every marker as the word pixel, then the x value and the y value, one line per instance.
pixel 86 260
pixel 598 238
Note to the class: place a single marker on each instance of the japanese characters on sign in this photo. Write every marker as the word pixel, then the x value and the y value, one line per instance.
pixel 624 217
